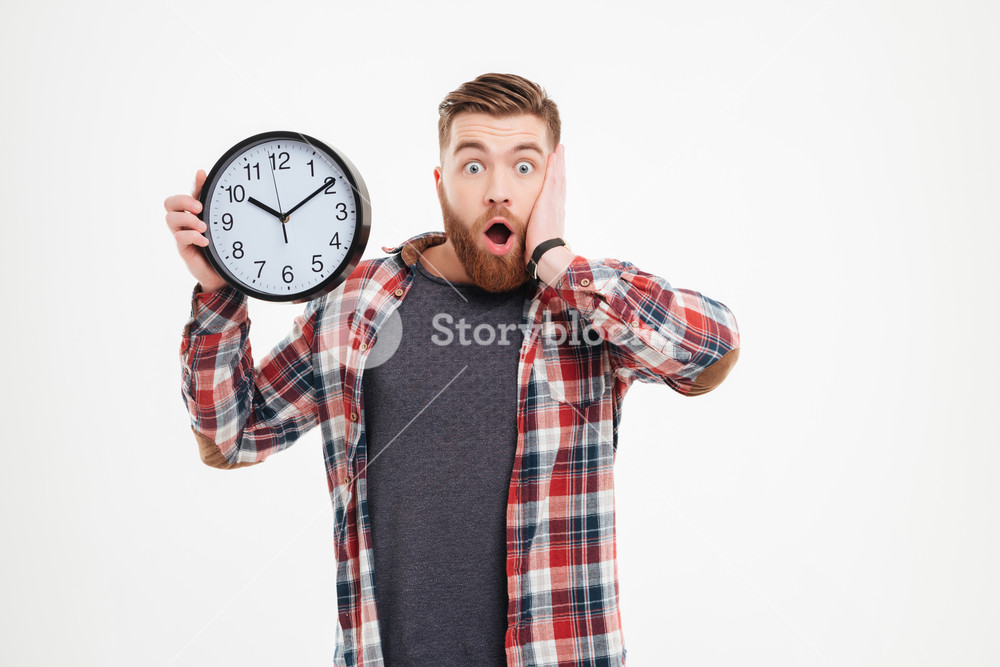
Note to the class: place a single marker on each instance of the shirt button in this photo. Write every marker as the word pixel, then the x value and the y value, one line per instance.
pixel 585 282
pixel 354 416
pixel 635 324
pixel 347 480
pixel 399 291
pixel 364 346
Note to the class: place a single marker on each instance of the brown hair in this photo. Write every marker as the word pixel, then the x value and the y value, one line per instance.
pixel 497 95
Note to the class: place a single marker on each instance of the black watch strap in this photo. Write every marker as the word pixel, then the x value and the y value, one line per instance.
pixel 540 250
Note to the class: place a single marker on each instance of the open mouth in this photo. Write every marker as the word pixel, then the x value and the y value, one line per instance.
pixel 499 236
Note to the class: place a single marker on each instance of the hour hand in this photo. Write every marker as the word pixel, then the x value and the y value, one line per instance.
pixel 267 208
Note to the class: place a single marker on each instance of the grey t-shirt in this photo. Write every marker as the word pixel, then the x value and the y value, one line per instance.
pixel 441 423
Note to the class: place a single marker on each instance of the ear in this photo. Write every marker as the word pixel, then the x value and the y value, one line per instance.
pixel 439 186
pixel 439 181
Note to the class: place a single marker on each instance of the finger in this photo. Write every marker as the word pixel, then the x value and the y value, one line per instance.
pixel 199 181
pixel 187 237
pixel 550 167
pixel 558 176
pixel 182 203
pixel 561 171
pixel 178 220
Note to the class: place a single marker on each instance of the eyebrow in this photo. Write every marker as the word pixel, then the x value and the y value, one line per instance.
pixel 478 145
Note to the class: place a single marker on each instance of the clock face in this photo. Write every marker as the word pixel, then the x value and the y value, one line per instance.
pixel 287 216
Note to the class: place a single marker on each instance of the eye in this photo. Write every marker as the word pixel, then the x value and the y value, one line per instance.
pixel 473 167
pixel 525 167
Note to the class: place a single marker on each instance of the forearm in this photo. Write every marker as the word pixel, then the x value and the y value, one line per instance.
pixel 244 413
pixel 657 333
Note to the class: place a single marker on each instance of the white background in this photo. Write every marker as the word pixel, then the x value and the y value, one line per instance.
pixel 828 170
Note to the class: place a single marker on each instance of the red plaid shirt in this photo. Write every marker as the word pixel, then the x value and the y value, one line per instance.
pixel 562 572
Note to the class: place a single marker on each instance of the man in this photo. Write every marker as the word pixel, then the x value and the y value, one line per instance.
pixel 471 471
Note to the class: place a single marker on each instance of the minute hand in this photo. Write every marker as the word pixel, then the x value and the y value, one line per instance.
pixel 318 190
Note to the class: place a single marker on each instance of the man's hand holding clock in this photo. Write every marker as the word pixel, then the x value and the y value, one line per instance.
pixel 547 222
pixel 187 228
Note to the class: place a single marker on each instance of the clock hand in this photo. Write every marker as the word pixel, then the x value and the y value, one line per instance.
pixel 275 182
pixel 282 218
pixel 265 207
pixel 318 190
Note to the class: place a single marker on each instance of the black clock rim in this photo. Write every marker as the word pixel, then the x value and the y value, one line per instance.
pixel 362 224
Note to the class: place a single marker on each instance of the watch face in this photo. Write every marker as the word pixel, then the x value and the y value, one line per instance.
pixel 287 216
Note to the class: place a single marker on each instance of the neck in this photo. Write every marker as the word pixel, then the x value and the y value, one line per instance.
pixel 442 262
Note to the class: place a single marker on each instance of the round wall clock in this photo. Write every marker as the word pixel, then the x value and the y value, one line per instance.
pixel 287 217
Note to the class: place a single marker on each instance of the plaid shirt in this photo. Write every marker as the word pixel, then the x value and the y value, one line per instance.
pixel 562 570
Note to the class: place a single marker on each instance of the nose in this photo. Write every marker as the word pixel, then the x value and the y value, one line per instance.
pixel 498 190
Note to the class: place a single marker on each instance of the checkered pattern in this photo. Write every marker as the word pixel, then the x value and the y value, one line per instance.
pixel 562 576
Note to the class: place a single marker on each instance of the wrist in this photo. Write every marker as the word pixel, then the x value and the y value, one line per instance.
pixel 208 287
pixel 538 251
pixel 553 264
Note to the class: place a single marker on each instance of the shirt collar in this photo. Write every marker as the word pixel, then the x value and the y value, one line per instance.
pixel 412 247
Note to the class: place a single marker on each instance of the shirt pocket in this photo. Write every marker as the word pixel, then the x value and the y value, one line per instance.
pixel 569 387
pixel 573 373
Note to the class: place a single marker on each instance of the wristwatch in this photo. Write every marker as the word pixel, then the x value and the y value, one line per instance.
pixel 532 267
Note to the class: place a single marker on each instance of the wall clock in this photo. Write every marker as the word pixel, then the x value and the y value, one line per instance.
pixel 287 217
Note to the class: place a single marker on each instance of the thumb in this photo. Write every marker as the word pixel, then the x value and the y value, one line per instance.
pixel 199 181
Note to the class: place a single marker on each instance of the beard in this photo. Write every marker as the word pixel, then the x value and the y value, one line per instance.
pixel 493 273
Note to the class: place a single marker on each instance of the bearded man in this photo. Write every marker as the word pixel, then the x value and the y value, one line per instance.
pixel 471 466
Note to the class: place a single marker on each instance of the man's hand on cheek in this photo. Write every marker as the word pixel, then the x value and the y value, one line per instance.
pixel 548 219
pixel 548 216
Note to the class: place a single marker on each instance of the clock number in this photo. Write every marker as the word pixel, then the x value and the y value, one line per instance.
pixel 312 172
pixel 261 262
pixel 227 221
pixel 238 249
pixel 282 165
pixel 256 167
pixel 335 241
pixel 286 274
pixel 236 193
pixel 341 208
pixel 331 180
pixel 315 262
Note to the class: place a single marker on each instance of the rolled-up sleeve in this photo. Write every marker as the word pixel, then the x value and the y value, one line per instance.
pixel 656 332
